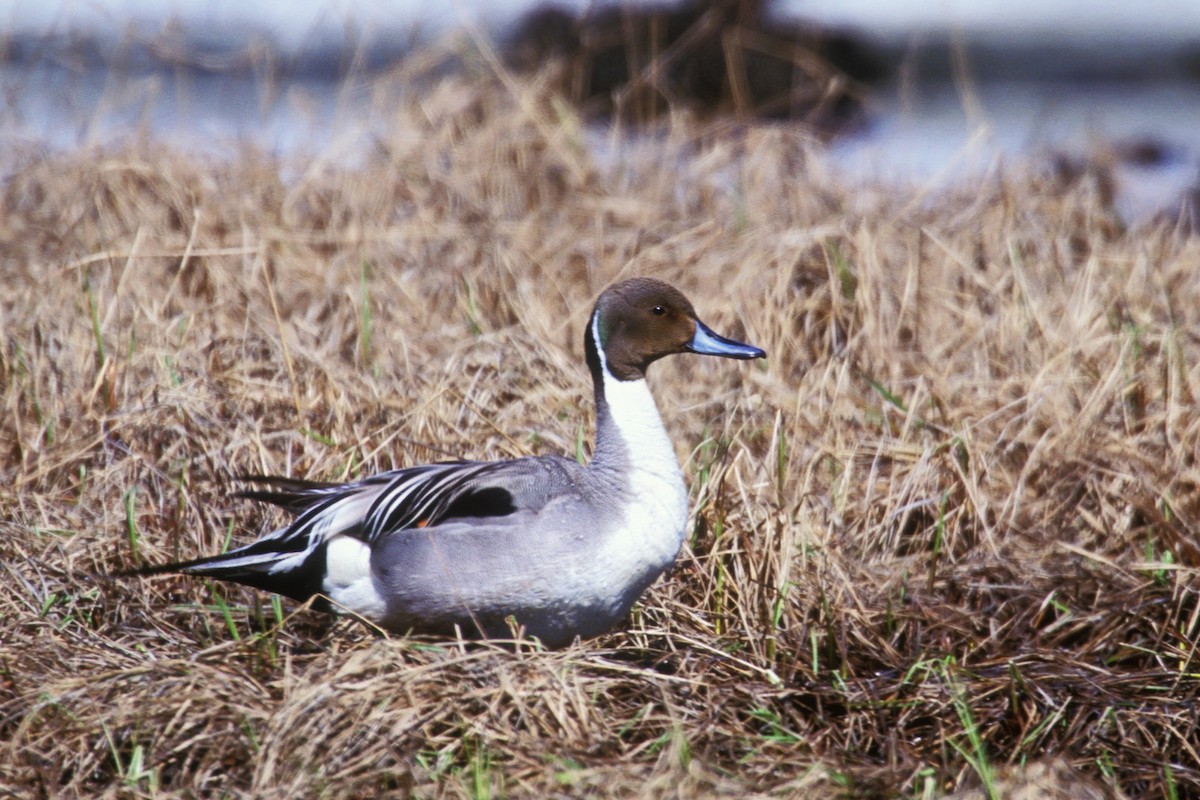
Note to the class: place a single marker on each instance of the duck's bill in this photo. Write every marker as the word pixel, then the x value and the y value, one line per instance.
pixel 706 342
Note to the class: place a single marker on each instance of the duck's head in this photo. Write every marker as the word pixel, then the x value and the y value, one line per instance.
pixel 640 320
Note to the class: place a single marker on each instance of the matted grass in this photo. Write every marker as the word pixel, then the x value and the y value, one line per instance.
pixel 943 540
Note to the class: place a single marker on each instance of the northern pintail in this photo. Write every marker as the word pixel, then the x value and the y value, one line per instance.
pixel 540 543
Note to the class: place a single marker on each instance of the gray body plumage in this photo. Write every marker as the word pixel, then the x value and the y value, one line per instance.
pixel 560 565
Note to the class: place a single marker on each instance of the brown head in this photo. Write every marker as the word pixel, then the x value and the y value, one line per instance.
pixel 640 320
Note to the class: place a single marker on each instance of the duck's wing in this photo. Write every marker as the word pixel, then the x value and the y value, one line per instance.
pixel 416 497
pixel 292 560
pixel 297 496
pixel 491 490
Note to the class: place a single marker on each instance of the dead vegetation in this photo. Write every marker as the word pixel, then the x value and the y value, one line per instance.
pixel 944 539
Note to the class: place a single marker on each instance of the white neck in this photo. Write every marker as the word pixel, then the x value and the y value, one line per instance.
pixel 630 437
pixel 631 410
pixel 634 415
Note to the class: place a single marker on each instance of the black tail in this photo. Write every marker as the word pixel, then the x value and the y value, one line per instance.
pixel 289 561
pixel 299 583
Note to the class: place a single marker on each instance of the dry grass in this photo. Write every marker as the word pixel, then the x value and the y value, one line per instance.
pixel 948 530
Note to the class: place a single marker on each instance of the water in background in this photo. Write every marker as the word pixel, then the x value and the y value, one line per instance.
pixel 1038 81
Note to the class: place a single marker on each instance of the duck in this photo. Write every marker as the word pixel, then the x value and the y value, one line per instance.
pixel 538 546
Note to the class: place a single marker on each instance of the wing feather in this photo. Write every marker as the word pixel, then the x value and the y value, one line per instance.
pixel 425 498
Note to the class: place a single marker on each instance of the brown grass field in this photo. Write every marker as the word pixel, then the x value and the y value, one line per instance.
pixel 944 539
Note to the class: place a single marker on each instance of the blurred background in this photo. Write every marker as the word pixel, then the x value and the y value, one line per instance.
pixel 893 91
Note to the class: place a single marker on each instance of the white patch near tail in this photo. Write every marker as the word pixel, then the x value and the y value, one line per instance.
pixel 348 581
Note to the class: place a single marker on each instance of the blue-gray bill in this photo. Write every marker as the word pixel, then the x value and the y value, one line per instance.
pixel 706 342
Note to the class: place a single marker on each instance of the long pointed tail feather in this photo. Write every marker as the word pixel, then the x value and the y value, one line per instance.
pixel 259 565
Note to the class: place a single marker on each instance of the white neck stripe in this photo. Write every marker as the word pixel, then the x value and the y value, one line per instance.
pixel 599 344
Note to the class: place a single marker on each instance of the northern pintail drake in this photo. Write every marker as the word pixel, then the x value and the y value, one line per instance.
pixel 541 543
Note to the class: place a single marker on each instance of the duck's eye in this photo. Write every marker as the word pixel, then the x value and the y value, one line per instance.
pixel 658 311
